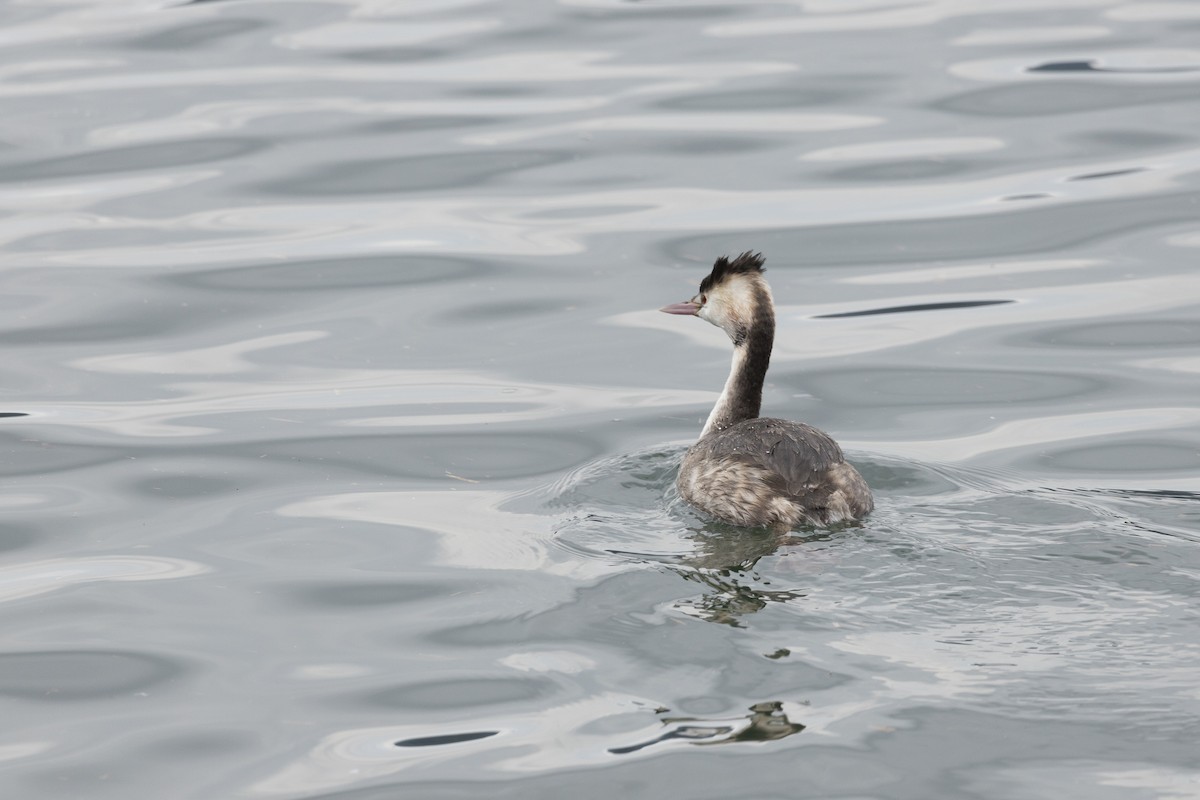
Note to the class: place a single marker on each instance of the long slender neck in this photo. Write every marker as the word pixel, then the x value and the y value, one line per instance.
pixel 742 396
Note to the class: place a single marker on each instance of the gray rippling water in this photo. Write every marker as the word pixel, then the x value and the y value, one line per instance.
pixel 339 429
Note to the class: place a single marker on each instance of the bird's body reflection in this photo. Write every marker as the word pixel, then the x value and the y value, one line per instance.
pixel 724 561
pixel 766 722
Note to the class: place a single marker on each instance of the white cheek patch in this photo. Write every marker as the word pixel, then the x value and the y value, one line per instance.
pixel 740 299
pixel 730 305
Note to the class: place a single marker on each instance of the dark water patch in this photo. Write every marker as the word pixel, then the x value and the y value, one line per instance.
pixel 870 312
pixel 201 744
pixel 196 35
pixel 185 487
pixel 449 738
pixel 912 170
pixel 363 594
pixel 162 155
pixel 9 414
pixel 1065 66
pixel 17 536
pixel 699 144
pixel 430 122
pixel 442 409
pixel 1052 98
pixel 1170 494
pixel 624 11
pixel 78 675
pixel 986 745
pixel 77 241
pixel 431 172
pixel 1018 197
pixel 1122 141
pixel 882 387
pixel 506 310
pixel 1129 457
pixel 1134 334
pixel 586 212
pixel 1115 173
pixel 1010 232
pixel 834 92
pixel 460 693
pixel 326 274
pixel 122 321
pixel 1091 66
pixel 478 455
pixel 394 55
pixel 26 454
pixel 497 91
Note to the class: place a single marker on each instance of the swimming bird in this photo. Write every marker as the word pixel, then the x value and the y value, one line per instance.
pixel 758 471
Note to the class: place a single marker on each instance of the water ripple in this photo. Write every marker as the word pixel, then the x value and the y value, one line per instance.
pixel 31 578
pixel 344 311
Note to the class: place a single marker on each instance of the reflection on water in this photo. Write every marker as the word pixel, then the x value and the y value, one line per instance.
pixel 916 307
pixel 727 600
pixel 452 738
pixel 765 723
pixel 339 429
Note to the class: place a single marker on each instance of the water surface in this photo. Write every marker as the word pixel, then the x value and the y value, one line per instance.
pixel 339 429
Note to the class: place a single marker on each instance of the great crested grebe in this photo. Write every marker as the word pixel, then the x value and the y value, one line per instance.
pixel 750 470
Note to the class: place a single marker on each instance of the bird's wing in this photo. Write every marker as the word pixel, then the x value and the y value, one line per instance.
pixel 798 454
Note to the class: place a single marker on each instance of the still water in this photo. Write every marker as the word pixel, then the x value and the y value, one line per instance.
pixel 339 427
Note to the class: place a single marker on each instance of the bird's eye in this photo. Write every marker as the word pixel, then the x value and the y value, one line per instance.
pixel 703 299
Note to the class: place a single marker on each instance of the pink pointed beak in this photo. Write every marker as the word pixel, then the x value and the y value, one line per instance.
pixel 688 309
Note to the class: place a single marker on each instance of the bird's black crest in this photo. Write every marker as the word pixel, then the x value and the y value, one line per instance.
pixel 747 263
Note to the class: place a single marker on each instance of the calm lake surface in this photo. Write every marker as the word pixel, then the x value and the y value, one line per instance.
pixel 339 427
